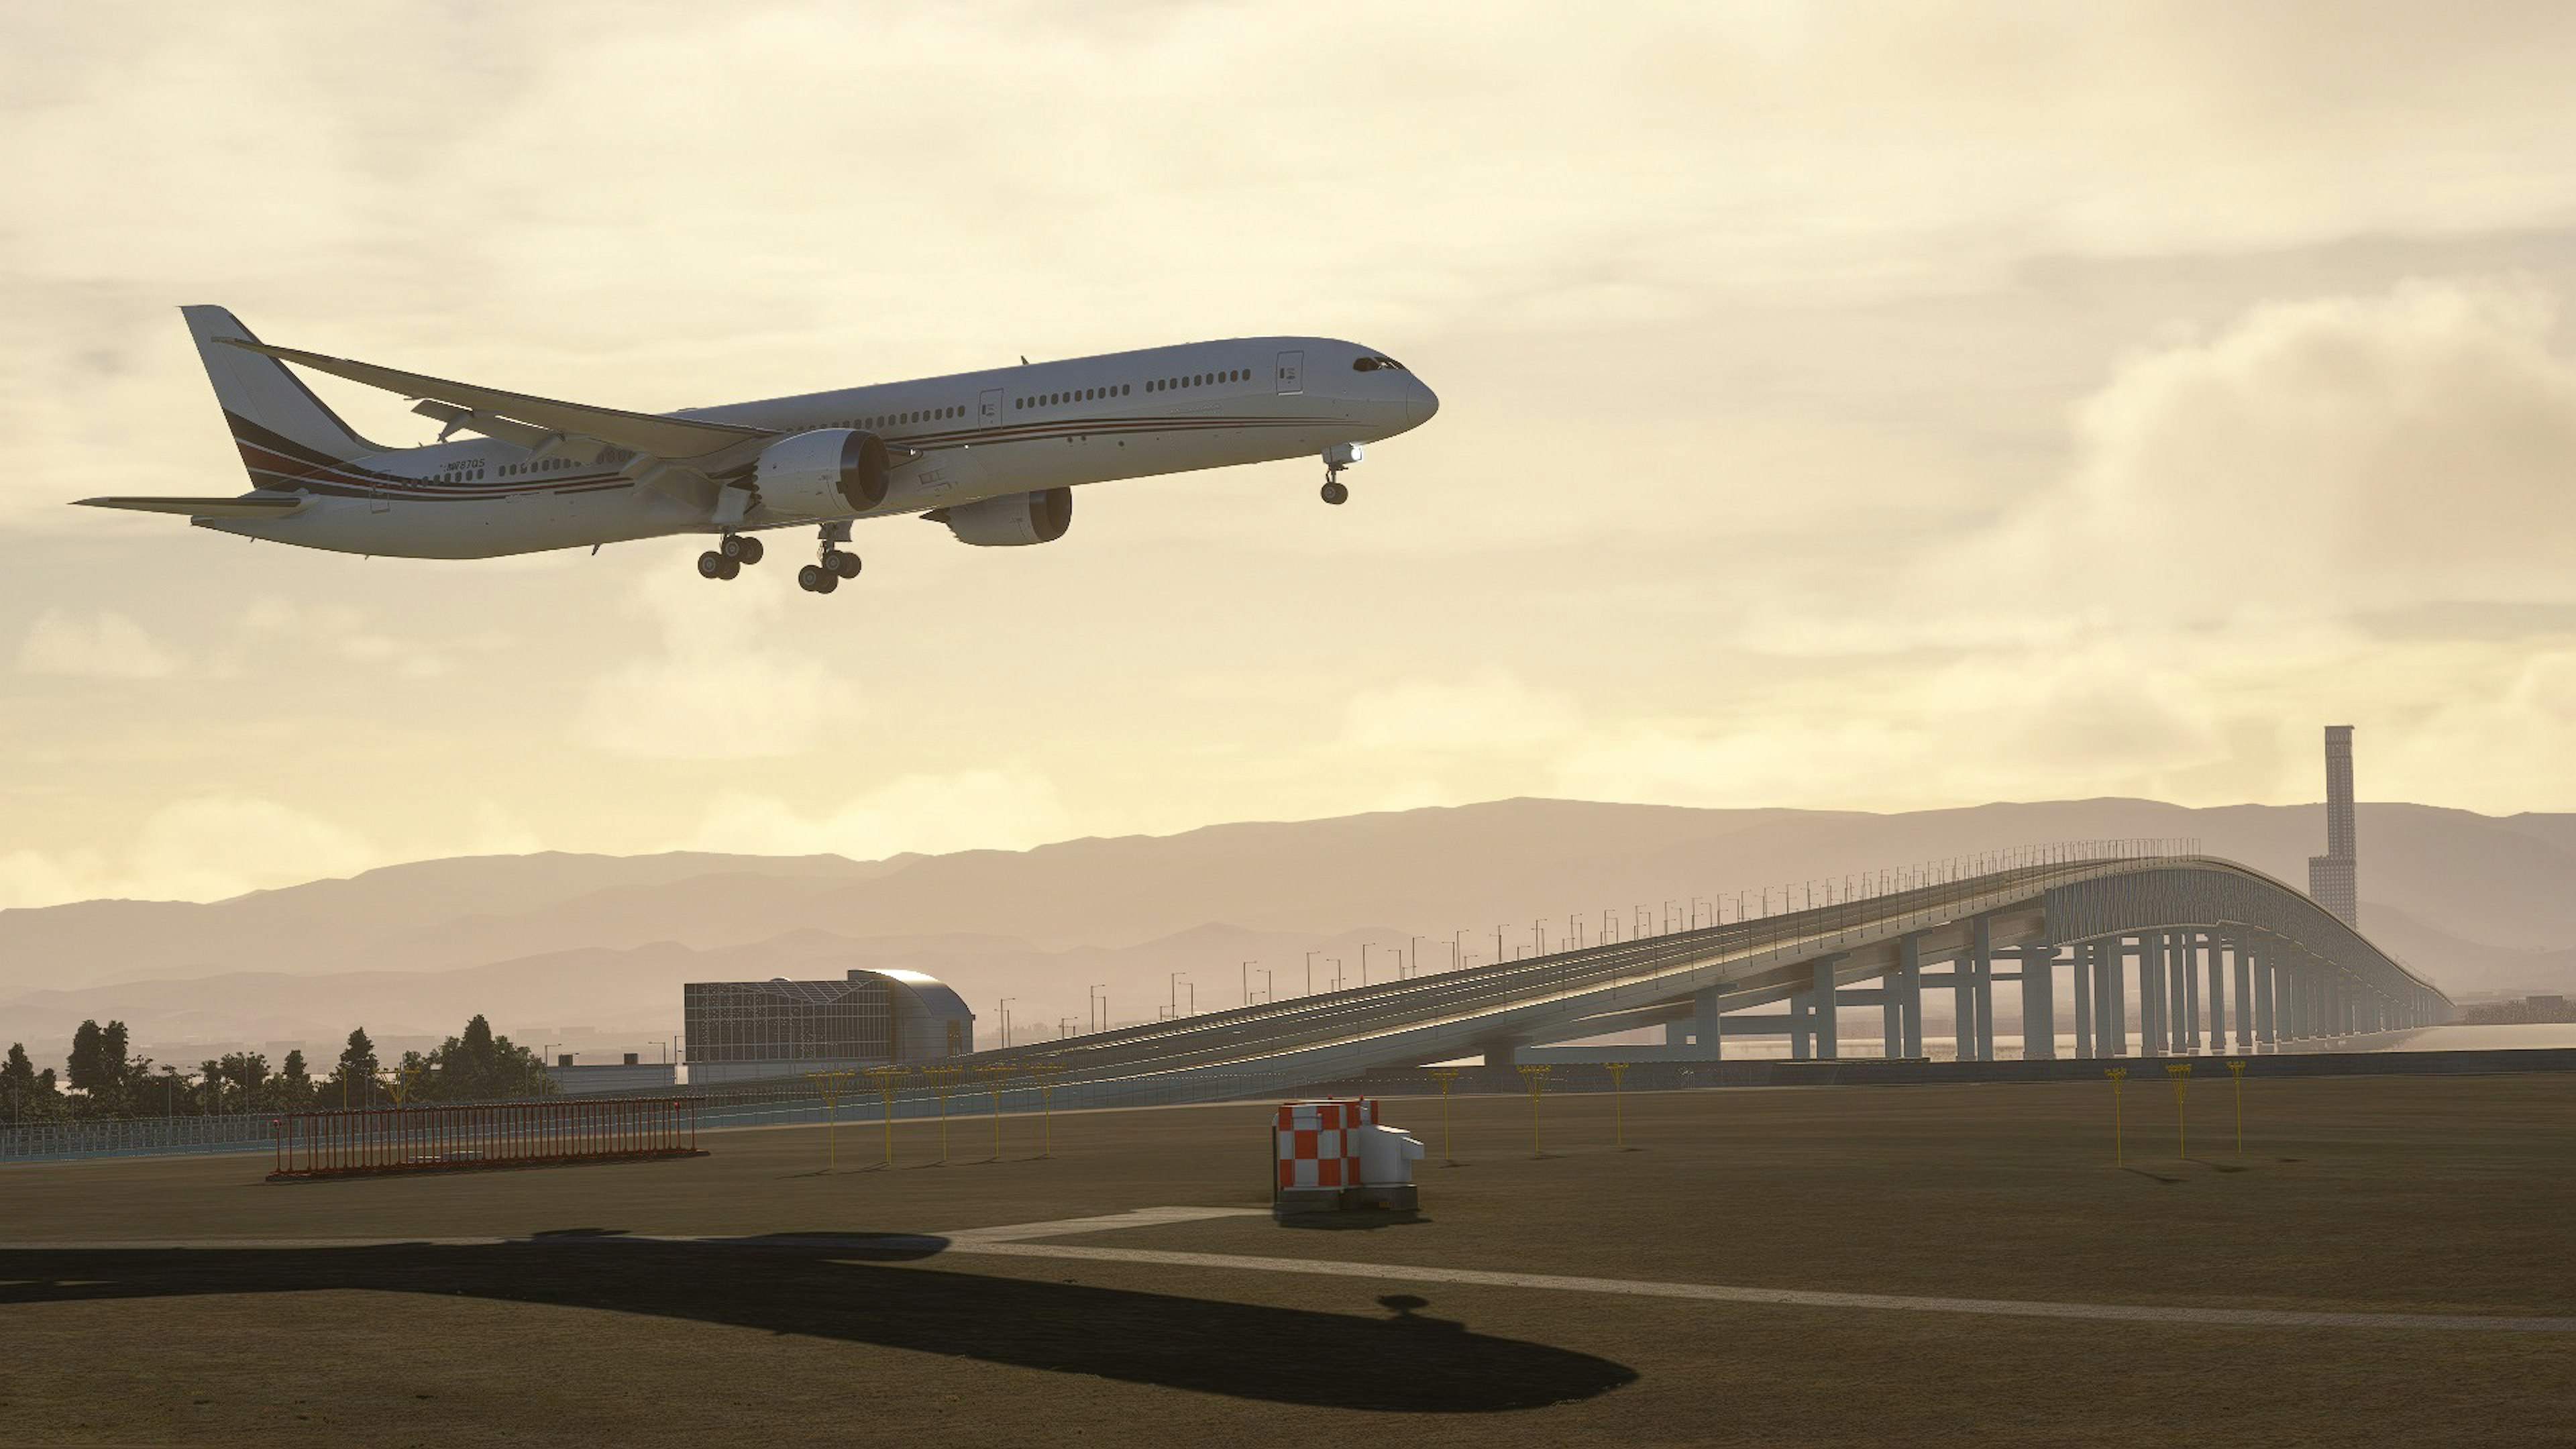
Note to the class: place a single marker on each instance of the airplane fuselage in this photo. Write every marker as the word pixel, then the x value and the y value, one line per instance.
pixel 959 439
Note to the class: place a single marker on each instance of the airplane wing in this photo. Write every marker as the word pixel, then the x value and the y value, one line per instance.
pixel 661 437
pixel 252 505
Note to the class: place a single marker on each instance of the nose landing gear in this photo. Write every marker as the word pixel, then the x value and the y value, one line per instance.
pixel 825 575
pixel 1336 458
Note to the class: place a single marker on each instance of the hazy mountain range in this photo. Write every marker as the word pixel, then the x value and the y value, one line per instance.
pixel 543 942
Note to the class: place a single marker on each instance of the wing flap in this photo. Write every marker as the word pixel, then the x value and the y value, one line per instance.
pixel 276 505
pixel 662 437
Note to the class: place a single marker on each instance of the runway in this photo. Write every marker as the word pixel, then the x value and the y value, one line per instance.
pixel 1029 1240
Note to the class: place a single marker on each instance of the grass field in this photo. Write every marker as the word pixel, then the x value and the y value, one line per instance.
pixel 2372 1195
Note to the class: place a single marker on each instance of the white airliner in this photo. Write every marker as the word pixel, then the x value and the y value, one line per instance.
pixel 993 455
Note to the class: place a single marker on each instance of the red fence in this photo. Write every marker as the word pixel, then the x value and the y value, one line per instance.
pixel 484 1134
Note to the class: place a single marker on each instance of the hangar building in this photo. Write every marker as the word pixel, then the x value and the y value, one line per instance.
pixel 742 1030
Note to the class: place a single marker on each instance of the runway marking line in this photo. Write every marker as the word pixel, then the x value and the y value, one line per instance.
pixel 1026 1240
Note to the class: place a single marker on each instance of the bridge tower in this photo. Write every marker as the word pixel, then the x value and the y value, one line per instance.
pixel 2334 879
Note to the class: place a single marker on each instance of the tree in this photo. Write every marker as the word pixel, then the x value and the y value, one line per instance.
pixel 478 1066
pixel 88 1065
pixel 17 1073
pixel 294 1083
pixel 29 1094
pixel 112 1048
pixel 236 1078
pixel 357 1070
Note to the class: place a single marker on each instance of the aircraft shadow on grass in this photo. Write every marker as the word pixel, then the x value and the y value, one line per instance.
pixel 809 1285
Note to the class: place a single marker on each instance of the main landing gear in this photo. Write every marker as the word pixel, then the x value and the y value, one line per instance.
pixel 1336 458
pixel 726 559
pixel 824 576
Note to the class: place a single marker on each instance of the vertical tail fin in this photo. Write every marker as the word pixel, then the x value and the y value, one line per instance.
pixel 283 430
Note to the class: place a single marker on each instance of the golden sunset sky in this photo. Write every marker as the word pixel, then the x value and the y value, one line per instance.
pixel 1860 406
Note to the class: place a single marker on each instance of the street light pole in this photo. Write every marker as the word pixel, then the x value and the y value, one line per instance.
pixel 1247 983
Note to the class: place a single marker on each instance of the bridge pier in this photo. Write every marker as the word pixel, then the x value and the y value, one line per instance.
pixel 1705 1028
pixel 2080 986
pixel 1963 1010
pixel 2190 975
pixel 2217 966
pixel 2240 949
pixel 2266 1031
pixel 2039 1004
pixel 2111 997
pixel 1826 1009
pixel 1981 989
pixel 1909 985
pixel 2151 994
pixel 2183 996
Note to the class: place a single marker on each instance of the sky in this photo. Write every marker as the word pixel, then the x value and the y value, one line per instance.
pixel 1868 407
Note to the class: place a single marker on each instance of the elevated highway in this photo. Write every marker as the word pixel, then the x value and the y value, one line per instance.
pixel 2146 951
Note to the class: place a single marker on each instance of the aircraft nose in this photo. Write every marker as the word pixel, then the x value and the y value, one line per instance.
pixel 1423 403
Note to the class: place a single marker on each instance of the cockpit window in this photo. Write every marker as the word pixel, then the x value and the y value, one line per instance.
pixel 1372 364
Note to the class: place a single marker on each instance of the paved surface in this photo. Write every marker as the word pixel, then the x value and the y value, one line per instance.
pixel 1026 1240
pixel 1777 1267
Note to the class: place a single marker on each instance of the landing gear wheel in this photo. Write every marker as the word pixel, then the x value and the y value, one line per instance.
pixel 741 550
pixel 810 578
pixel 1337 493
pixel 713 565
pixel 827 582
pixel 845 564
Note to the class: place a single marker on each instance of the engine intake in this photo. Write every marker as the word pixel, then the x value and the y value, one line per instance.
pixel 1012 520
pixel 829 472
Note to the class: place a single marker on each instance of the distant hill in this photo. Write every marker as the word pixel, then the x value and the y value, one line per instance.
pixel 2480 904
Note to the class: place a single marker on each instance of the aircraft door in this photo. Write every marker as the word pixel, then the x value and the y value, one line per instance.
pixel 988 408
pixel 1292 373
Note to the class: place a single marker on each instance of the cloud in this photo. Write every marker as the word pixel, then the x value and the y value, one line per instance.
pixel 217 845
pixel 340 631
pixel 930 814
pixel 100 645
pixel 2335 454
pixel 2101 720
pixel 2309 462
pixel 718 690
pixel 1488 710
pixel 205 848
pixel 223 845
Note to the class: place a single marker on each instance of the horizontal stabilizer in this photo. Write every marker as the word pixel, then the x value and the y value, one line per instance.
pixel 659 436
pixel 254 505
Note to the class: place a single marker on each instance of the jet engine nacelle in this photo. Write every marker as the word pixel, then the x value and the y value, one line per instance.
pixel 827 473
pixel 1013 519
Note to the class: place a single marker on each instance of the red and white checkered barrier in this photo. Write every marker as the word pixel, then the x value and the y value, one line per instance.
pixel 1319 1141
